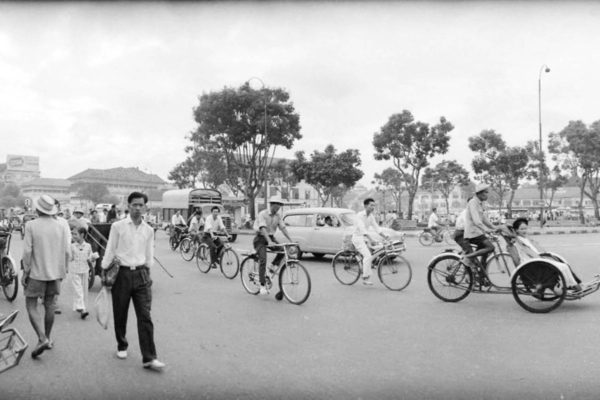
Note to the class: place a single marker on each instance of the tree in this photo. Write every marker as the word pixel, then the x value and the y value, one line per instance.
pixel 391 180
pixel 95 192
pixel 281 176
pixel 204 166
pixel 410 145
pixel 10 196
pixel 577 147
pixel 499 165
pixel 445 177
pixel 331 174
pixel 233 121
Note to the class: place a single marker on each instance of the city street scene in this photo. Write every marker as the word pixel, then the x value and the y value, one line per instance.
pixel 299 200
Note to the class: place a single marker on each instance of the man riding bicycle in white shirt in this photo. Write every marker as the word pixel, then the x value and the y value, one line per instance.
pixel 365 221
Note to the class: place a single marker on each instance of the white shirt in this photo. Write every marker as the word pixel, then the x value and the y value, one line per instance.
pixel 433 220
pixel 460 220
pixel 214 225
pixel 364 223
pixel 178 220
pixel 195 224
pixel 133 245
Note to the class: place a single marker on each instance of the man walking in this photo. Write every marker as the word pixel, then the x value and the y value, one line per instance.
pixel 131 242
pixel 46 251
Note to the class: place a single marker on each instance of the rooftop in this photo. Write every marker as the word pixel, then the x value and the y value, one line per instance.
pixel 117 174
pixel 47 182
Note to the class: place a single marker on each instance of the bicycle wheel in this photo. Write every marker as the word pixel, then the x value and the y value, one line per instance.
pixel 294 282
pixel 499 269
pixel 449 237
pixel 426 238
pixel 394 271
pixel 346 267
pixel 230 263
pixel 449 279
pixel 10 279
pixel 249 275
pixel 539 287
pixel 173 243
pixel 203 258
pixel 187 249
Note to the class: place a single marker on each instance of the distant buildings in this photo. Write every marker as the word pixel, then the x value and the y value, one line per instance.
pixel 20 169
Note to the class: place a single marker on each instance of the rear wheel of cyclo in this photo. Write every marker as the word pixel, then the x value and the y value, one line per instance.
pixel 539 287
pixel 10 279
pixel 230 263
pixel 294 282
pixel 394 272
pixel 346 267
pixel 499 269
pixel 426 238
pixel 203 258
pixel 249 275
pixel 449 279
pixel 187 249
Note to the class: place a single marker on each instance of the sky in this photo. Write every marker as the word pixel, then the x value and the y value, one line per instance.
pixel 105 85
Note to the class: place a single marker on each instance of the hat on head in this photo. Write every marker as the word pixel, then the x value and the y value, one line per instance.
pixel 45 204
pixel 481 187
pixel 276 200
pixel 78 210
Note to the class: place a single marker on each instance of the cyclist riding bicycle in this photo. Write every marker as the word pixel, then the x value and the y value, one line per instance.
pixel 433 224
pixel 265 226
pixel 364 221
pixel 196 226
pixel 213 225
pixel 477 225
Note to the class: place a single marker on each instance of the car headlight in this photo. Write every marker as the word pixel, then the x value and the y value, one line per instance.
pixel 293 251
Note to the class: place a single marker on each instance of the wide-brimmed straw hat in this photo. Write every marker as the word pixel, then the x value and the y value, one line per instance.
pixel 481 187
pixel 46 205
pixel 276 200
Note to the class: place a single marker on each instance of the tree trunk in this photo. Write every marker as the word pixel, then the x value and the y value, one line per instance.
pixel 581 216
pixel 411 199
pixel 509 206
pixel 251 206
pixel 447 205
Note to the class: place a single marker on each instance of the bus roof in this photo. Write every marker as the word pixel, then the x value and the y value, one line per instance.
pixel 182 198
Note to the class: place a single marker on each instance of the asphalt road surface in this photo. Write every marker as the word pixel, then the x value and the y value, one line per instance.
pixel 345 342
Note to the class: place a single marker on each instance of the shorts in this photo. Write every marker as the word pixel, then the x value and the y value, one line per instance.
pixel 37 288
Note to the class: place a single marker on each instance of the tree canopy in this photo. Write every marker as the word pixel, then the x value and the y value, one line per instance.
pixel 391 180
pixel 95 192
pixel 410 145
pixel 445 177
pixel 330 173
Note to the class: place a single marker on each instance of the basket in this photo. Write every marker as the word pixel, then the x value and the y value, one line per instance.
pixel 12 348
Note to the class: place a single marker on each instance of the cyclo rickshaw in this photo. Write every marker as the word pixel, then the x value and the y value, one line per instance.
pixel 537 284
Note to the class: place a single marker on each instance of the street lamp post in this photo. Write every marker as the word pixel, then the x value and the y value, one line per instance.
pixel 543 68
pixel 265 180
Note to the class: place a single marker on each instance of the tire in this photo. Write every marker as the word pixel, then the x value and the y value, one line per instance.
pixel 426 238
pixel 187 249
pixel 500 268
pixel 394 272
pixel 318 256
pixel 249 275
pixel 294 282
pixel 229 263
pixel 10 279
pixel 203 258
pixel 232 237
pixel 346 267
pixel 173 243
pixel 449 237
pixel 449 279
pixel 539 287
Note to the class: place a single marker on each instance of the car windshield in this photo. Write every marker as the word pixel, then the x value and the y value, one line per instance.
pixel 348 218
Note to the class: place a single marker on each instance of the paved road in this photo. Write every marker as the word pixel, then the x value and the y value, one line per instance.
pixel 344 342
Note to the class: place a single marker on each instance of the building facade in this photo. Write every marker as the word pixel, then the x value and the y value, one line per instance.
pixel 20 169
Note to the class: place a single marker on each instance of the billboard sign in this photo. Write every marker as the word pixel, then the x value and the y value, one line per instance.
pixel 22 163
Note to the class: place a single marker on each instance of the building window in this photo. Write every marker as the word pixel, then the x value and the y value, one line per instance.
pixel 307 194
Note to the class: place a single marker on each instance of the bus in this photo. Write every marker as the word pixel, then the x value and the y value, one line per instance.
pixel 189 200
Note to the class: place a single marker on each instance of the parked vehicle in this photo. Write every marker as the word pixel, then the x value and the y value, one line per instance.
pixel 188 200
pixel 321 231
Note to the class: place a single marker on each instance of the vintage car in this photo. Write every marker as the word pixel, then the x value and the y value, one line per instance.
pixel 321 231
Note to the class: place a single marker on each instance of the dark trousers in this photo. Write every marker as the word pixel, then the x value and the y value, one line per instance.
pixel 134 285
pixel 215 246
pixel 260 245
pixel 462 242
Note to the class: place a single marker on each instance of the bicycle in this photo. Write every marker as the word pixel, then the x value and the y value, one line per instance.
pixel 294 279
pixel 9 276
pixel 229 262
pixel 177 234
pixel 426 238
pixel 12 344
pixel 393 270
pixel 188 246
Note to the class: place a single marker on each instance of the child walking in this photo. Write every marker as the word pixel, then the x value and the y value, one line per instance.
pixel 79 266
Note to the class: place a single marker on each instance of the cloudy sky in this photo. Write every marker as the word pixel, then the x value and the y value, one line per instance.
pixel 107 85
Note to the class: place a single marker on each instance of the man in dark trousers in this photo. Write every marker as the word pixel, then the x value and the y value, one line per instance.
pixel 131 242
pixel 112 214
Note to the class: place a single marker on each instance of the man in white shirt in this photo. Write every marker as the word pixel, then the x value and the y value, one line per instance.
pixel 177 219
pixel 365 225
pixel 213 225
pixel 432 223
pixel 131 242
